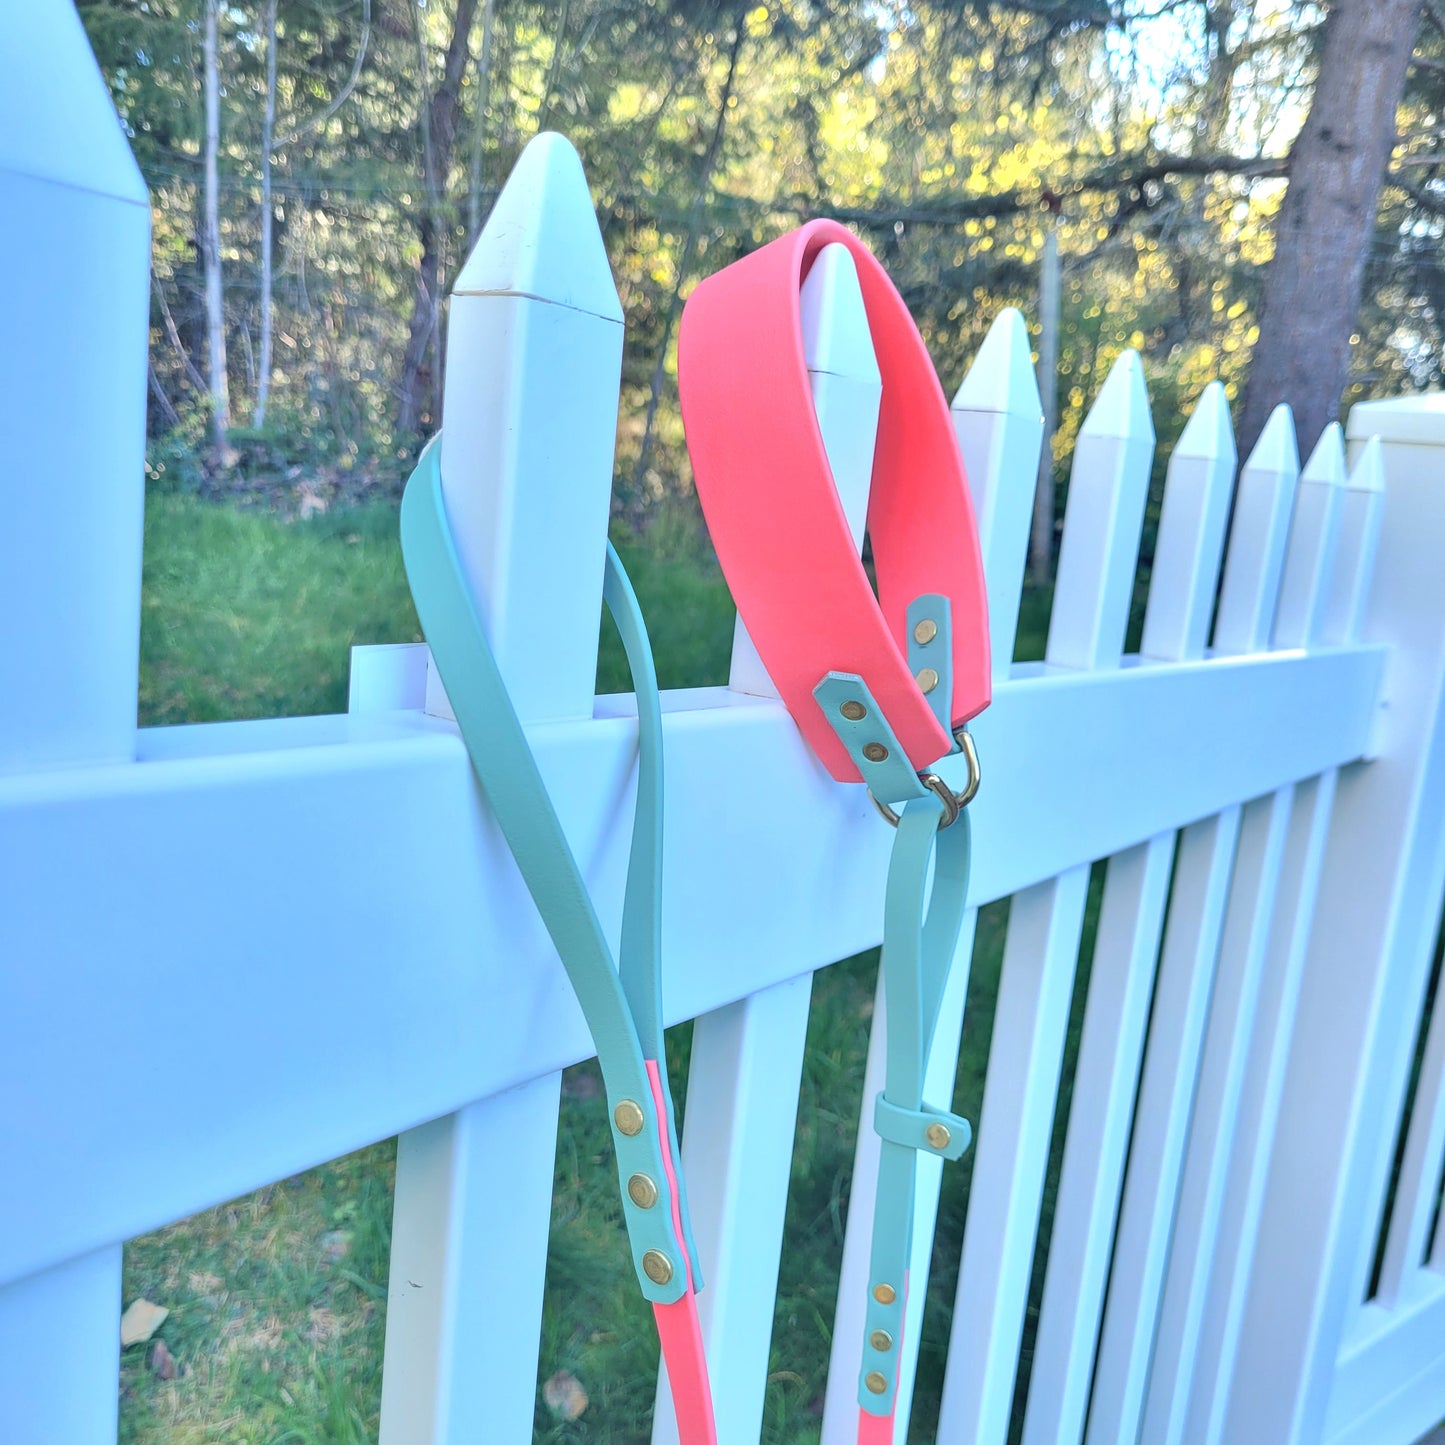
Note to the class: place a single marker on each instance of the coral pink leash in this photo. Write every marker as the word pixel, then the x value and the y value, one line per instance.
pixel 879 687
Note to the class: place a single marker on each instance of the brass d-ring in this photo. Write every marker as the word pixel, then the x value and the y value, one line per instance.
pixel 964 739
pixel 953 803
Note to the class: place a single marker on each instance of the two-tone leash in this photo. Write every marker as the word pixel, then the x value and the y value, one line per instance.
pixel 880 686
pixel 621 998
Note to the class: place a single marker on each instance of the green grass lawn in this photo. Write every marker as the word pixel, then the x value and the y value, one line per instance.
pixel 278 1300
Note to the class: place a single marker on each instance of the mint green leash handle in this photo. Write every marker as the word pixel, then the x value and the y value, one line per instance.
pixel 920 936
pixel 620 1001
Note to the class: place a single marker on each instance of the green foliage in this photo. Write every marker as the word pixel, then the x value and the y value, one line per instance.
pixel 244 615
pixel 940 130
pixel 174 457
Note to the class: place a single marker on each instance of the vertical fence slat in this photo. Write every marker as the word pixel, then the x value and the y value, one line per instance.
pixel 753 1051
pixel 1363 511
pixel 59 1353
pixel 1166 1090
pixel 1126 952
pixel 1248 916
pixel 1313 539
pixel 747 1060
pixel 1108 486
pixel 1187 555
pixel 73 320
pixel 1263 504
pixel 535 323
pixel 1012 1152
pixel 469 1228
pixel 998 420
pixel 1234 1247
pixel 73 334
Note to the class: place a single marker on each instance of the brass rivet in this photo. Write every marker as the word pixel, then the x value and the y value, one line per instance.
pixel 657 1266
pixel 853 711
pixel 925 632
pixel 926 678
pixel 628 1118
pixel 881 1341
pixel 875 1382
pixel 642 1191
pixel 884 1294
pixel 874 752
pixel 937 1135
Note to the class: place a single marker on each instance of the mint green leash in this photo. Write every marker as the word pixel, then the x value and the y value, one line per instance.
pixel 920 936
pixel 621 1000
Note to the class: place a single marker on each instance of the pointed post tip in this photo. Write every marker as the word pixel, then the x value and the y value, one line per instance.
pixel 1002 378
pixel 1368 473
pixel 1208 433
pixel 542 239
pixel 836 336
pixel 1121 408
pixel 1326 464
pixel 1277 449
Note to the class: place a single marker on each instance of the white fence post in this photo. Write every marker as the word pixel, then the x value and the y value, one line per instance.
pixel 1107 490
pixel 535 333
pixel 1373 931
pixel 75 252
pixel 998 420
pixel 737 1150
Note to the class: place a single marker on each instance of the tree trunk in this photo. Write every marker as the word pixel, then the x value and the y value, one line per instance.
pixel 211 245
pixel 694 226
pixel 1041 532
pixel 268 133
pixel 479 129
pixel 419 383
pixel 1312 288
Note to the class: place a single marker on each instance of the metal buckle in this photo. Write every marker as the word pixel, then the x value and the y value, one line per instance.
pixel 953 803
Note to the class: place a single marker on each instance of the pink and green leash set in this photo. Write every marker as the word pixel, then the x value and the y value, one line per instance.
pixel 879 686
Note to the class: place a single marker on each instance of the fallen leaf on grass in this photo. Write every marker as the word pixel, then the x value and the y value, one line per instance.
pixel 163 1363
pixel 336 1243
pixel 564 1395
pixel 140 1322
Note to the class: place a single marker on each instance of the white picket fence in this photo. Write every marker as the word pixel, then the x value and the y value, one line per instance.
pixel 315 926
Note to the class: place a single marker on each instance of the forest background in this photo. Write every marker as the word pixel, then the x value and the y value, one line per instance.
pixel 1217 183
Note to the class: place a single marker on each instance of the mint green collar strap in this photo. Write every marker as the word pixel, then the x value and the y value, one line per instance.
pixel 621 1001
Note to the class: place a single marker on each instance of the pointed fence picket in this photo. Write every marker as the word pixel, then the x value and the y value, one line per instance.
pixel 1273 858
pixel 738 1165
pixel 998 419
